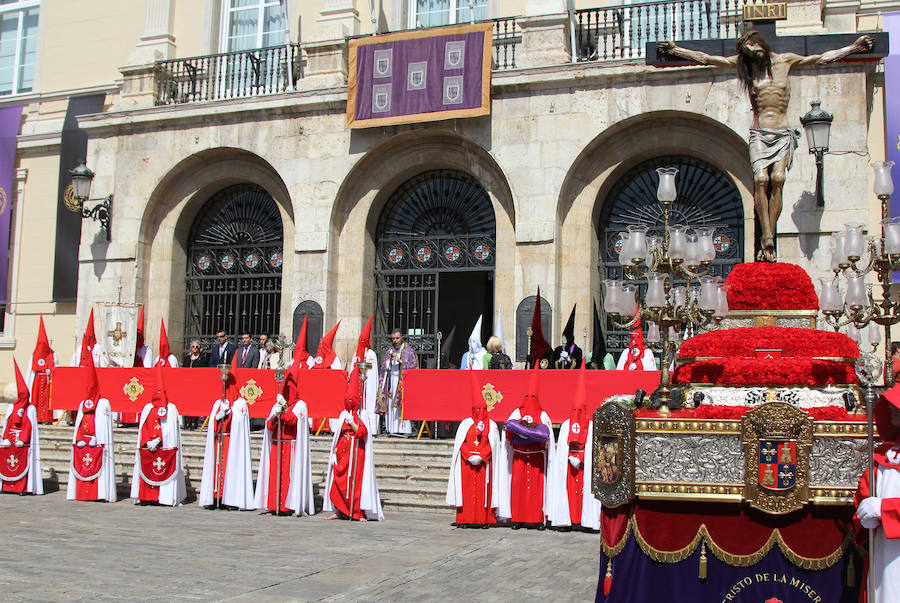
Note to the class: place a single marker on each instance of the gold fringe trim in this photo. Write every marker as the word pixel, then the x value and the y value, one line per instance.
pixel 612 551
pixel 807 563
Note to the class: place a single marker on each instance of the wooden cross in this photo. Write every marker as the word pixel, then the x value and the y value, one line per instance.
pixel 801 45
pixel 117 334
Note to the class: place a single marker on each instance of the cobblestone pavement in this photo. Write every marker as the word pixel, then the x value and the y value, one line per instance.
pixel 55 550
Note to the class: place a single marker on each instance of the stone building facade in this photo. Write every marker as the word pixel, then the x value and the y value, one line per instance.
pixel 562 137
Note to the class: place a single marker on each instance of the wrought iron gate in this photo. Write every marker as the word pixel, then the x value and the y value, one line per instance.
pixel 706 196
pixel 439 221
pixel 234 262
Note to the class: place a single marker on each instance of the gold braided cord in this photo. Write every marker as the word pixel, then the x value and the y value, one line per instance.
pixel 807 563
pixel 612 551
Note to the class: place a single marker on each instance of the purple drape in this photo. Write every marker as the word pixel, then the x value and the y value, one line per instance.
pixel 10 120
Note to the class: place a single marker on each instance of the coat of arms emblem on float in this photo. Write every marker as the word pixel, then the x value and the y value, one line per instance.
pixel 778 439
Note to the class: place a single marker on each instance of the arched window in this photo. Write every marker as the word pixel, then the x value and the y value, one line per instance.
pixel 235 254
pixel 434 267
pixel 705 196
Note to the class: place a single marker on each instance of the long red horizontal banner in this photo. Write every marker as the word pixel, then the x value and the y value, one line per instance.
pixel 193 390
pixel 446 395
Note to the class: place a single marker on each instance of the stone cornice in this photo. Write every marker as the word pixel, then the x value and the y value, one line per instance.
pixel 569 75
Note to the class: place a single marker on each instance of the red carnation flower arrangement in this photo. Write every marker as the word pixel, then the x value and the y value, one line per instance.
pixel 744 342
pixel 770 286
pixel 772 372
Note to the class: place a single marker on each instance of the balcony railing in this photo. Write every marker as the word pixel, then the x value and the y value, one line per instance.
pixel 622 32
pixel 506 38
pixel 228 75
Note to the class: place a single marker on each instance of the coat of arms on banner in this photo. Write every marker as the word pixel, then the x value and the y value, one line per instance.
pixel 453 90
pixel 119 329
pixel 491 396
pixel 384 60
pixel 381 98
pixel 612 481
pixel 454 54
pixel 778 439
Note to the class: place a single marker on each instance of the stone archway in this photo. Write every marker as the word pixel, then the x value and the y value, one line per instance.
pixel 608 157
pixel 369 186
pixel 167 220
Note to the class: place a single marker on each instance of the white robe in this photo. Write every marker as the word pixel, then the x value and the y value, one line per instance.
pixel 590 506
pixel 172 361
pixel 29 374
pixel 369 393
pixel 145 356
pixel 369 499
pixel 237 491
pixel 477 359
pixel 174 491
pixel 300 489
pixel 454 483
pixel 648 361
pixel 505 476
pixel 106 479
pixel 34 481
pixel 887 550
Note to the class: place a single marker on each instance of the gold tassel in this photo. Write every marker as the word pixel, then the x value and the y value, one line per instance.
pixel 702 575
pixel 851 572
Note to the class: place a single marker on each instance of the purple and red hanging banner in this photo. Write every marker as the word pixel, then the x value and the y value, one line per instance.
pixel 10 120
pixel 422 75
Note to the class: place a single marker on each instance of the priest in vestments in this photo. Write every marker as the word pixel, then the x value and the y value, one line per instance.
pixel 365 353
pixel 529 452
pixel 351 489
pixel 573 502
pixel 20 446
pixel 398 358
pixel 43 359
pixel 568 355
pixel 473 487
pixel 158 466
pixel 227 478
pixel 92 471
pixel 283 438
pixel 879 510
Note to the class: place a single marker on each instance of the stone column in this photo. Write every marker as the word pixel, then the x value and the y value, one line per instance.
pixel 545 41
pixel 157 42
pixel 338 18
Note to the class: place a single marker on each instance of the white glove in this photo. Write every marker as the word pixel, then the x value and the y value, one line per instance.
pixel 475 459
pixel 20 444
pixel 220 415
pixel 80 443
pixel 869 512
pixel 4 443
pixel 93 441
pixel 153 444
pixel 564 355
pixel 280 400
pixel 574 461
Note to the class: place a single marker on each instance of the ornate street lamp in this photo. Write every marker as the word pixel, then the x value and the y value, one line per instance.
pixel 817 124
pixel 82 177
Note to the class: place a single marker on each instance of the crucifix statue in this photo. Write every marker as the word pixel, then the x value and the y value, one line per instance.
pixel 763 74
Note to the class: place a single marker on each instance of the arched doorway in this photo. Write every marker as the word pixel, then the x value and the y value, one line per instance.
pixel 234 263
pixel 434 266
pixel 706 196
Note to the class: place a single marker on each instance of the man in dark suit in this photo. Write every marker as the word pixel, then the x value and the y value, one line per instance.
pixel 223 351
pixel 248 353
